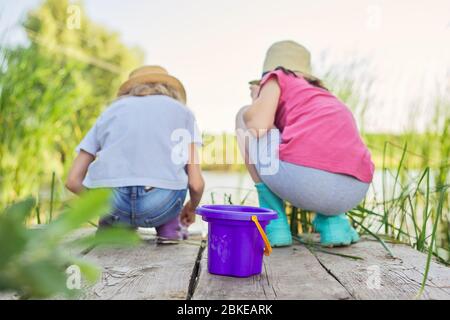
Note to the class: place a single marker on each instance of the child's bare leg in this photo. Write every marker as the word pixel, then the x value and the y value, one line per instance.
pixel 278 230
pixel 243 140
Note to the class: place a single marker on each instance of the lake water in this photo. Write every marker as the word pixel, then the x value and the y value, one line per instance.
pixel 220 186
pixel 239 185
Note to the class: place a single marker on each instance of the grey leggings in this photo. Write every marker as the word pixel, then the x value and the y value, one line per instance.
pixel 306 188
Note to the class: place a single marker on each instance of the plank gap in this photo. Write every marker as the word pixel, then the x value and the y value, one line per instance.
pixel 331 274
pixel 196 271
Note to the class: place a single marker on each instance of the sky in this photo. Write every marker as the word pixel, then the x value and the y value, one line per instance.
pixel 216 47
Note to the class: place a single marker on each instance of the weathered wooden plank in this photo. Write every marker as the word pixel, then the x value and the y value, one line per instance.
pixel 147 272
pixel 213 287
pixel 289 273
pixel 399 278
pixel 438 275
pixel 295 274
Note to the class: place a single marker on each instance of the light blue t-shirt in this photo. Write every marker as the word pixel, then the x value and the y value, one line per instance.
pixel 141 141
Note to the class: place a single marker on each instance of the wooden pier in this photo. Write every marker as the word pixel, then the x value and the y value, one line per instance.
pixel 179 271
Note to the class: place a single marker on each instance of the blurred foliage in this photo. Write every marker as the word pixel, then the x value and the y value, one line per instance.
pixel 33 262
pixel 352 82
pixel 51 91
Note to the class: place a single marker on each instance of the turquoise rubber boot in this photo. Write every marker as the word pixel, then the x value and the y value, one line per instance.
pixel 278 230
pixel 335 231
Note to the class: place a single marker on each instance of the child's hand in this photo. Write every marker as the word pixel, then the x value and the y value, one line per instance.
pixel 187 215
pixel 78 172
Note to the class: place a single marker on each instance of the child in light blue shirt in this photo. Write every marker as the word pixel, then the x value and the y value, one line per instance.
pixel 144 148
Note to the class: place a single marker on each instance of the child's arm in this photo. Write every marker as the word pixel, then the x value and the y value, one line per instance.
pixel 260 116
pixel 196 187
pixel 78 172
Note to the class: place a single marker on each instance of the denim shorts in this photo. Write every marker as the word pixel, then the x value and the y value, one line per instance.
pixel 144 207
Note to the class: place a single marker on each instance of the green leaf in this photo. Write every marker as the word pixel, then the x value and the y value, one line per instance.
pixel 111 237
pixel 21 210
pixel 13 234
pixel 13 240
pixel 42 279
pixel 91 205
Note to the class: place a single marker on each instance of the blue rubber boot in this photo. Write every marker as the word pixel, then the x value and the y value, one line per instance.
pixel 335 231
pixel 278 230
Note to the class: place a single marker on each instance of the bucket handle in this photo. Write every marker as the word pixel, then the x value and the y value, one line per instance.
pixel 268 247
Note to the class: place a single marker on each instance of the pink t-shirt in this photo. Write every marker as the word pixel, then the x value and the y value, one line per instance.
pixel 318 130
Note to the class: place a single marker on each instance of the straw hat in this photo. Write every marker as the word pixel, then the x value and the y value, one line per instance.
pixel 289 55
pixel 152 74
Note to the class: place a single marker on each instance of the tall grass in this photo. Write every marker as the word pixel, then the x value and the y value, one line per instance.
pixel 414 211
pixel 411 202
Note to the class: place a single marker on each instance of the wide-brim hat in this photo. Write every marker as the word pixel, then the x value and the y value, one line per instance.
pixel 289 55
pixel 152 74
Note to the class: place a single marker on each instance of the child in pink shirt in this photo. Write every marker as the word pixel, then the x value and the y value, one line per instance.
pixel 303 147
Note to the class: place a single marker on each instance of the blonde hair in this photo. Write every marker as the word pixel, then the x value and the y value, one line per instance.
pixel 150 89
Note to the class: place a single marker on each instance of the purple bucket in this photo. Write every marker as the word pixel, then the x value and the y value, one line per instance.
pixel 235 245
